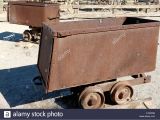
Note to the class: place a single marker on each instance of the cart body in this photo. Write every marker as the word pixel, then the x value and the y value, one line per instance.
pixel 84 52
pixel 32 13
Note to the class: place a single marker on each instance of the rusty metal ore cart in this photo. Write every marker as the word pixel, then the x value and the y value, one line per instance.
pixel 93 54
pixel 32 14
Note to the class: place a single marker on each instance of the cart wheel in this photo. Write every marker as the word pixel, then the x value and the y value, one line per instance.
pixel 92 98
pixel 36 36
pixel 27 36
pixel 121 93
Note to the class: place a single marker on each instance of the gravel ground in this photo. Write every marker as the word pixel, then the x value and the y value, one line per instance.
pixel 18 67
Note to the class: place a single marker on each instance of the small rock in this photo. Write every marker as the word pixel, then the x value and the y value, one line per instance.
pixel 17 45
pixel 25 47
pixel 28 53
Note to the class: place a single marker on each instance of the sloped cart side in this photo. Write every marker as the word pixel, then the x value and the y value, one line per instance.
pixel 92 53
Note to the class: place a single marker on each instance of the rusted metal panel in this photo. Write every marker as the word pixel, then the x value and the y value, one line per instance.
pixel 32 13
pixel 100 51
pixel 107 86
pixel 46 54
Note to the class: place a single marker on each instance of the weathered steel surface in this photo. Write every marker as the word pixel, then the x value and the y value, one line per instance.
pixel 94 51
pixel 107 86
pixel 46 45
pixel 32 13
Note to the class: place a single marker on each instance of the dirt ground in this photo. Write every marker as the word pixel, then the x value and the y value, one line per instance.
pixel 18 61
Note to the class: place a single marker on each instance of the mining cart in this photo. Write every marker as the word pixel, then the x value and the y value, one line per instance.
pixel 32 14
pixel 89 56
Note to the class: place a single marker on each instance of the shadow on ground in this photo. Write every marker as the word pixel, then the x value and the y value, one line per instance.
pixel 18 88
pixel 11 36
